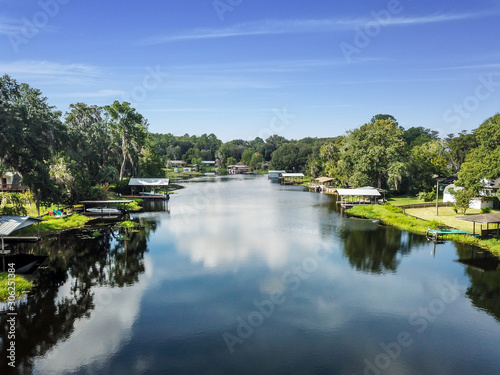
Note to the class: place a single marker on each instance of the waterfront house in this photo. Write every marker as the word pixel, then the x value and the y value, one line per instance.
pixel 237 169
pixel 489 187
pixel 483 201
pixel 176 163
pixel 11 181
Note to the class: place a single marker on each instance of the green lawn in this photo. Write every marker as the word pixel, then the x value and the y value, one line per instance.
pixel 401 201
pixel 447 216
pixel 53 224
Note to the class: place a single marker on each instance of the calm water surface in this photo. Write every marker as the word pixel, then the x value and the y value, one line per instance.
pixel 243 276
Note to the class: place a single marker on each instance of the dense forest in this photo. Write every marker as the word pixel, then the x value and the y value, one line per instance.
pixel 78 154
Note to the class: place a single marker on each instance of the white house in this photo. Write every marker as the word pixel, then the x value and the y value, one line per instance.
pixel 479 202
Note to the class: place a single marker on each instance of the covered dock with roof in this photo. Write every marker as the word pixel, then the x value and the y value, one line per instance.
pixel 358 196
pixel 291 178
pixel 487 219
pixel 150 183
pixel 10 224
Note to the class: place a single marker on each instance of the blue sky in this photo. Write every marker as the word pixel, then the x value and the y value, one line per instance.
pixel 248 68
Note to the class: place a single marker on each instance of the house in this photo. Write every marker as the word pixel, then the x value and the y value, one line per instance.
pixel 11 181
pixel 478 202
pixel 176 163
pixel 237 169
pixel 490 187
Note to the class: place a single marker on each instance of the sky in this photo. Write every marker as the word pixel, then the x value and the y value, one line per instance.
pixel 253 68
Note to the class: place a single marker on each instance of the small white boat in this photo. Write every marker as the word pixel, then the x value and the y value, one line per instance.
pixel 104 211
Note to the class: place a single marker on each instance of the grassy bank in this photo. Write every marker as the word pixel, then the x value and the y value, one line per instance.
pixel 22 286
pixel 391 215
pixel 52 224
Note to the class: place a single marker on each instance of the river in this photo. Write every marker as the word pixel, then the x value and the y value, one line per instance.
pixel 240 275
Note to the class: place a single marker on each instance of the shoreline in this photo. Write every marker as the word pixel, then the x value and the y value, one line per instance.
pixel 391 215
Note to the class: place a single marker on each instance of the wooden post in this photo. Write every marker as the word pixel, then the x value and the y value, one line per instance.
pixel 437 197
pixel 473 227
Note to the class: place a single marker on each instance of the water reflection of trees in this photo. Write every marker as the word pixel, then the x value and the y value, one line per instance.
pixel 376 251
pixel 484 290
pixel 115 259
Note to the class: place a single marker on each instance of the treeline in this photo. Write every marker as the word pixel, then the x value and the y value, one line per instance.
pixel 66 157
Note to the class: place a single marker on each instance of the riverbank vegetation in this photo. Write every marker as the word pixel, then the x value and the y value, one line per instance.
pixel 91 151
pixel 394 216
pixel 22 286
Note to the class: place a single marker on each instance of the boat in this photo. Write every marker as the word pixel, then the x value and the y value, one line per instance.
pixel 151 194
pixel 101 211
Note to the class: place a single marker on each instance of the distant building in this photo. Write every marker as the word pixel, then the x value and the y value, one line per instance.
pixel 490 187
pixel 478 202
pixel 208 163
pixel 11 181
pixel 237 169
pixel 176 163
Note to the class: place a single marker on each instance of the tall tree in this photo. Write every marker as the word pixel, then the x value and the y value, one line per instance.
pixel 482 162
pixel 31 134
pixel 371 152
pixel 130 128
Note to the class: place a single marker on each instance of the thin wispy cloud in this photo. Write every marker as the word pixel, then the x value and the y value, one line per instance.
pixel 8 27
pixel 277 27
pixel 107 93
pixel 46 70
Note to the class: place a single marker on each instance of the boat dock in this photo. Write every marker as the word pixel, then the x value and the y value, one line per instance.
pixel 154 197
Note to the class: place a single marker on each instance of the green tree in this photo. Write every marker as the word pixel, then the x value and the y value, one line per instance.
pixel 31 134
pixel 246 157
pixel 482 162
pixel 256 161
pixel 370 152
pixel 292 156
pixel 231 161
pixel 428 160
pixel 463 198
pixel 130 129
pixel 150 163
pixel 459 147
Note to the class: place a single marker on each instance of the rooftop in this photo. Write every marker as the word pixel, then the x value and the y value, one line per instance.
pixel 9 224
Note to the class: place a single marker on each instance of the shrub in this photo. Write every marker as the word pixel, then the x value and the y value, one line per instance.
pixel 427 196
pixel 485 210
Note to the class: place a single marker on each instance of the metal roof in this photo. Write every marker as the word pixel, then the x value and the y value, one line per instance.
pixel 323 179
pixel 359 192
pixel 108 202
pixel 292 175
pixel 149 182
pixel 9 224
pixel 482 218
